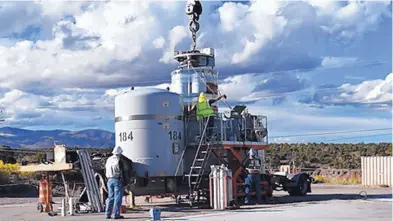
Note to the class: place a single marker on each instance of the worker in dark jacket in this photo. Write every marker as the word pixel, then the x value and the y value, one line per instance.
pixel 253 178
pixel 114 171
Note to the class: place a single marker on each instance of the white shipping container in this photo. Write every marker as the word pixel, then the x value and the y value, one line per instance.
pixel 377 171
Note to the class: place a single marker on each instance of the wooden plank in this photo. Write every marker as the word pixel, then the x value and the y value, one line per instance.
pixel 46 167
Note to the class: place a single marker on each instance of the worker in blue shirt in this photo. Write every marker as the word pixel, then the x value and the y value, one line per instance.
pixel 114 171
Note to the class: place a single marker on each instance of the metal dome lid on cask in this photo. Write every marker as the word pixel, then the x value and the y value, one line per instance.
pixel 195 74
pixel 149 128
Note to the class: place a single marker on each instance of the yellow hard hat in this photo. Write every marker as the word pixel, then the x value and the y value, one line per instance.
pixel 202 97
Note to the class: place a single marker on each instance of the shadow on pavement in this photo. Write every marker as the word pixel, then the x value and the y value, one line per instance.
pixel 265 210
pixel 269 204
pixel 19 190
pixel 326 197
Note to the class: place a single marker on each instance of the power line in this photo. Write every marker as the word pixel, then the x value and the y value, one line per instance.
pixel 348 138
pixel 331 133
pixel 306 91
pixel 222 77
pixel 270 73
pixel 47 150
pixel 25 151
pixel 271 95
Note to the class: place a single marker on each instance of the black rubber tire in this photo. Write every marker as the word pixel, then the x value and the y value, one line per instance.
pixel 270 194
pixel 292 192
pixel 301 189
pixel 40 208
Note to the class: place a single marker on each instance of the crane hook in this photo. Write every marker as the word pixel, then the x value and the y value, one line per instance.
pixel 194 7
pixel 193 10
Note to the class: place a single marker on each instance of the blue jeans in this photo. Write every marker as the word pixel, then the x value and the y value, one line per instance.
pixel 253 180
pixel 115 197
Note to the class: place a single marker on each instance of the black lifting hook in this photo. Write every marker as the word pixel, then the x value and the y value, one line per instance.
pixel 194 8
pixel 198 8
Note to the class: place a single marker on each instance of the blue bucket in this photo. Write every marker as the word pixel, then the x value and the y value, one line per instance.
pixel 155 214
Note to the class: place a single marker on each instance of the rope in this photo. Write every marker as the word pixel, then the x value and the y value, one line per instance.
pixel 204 82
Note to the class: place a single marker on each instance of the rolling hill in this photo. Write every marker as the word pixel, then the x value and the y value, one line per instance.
pixel 21 138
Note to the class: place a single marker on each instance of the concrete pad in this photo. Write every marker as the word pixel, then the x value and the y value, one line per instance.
pixel 321 211
pixel 332 202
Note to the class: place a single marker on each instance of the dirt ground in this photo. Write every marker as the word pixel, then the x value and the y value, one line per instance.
pixel 15 209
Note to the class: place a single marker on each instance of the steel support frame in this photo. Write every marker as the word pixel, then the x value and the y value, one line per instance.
pixel 236 164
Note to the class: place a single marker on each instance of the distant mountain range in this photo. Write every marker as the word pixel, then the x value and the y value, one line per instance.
pixel 21 138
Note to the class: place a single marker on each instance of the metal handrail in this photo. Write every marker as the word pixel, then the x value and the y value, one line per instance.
pixel 225 128
pixel 180 161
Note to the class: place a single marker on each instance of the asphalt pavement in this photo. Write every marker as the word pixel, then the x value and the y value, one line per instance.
pixel 327 202
pixel 358 210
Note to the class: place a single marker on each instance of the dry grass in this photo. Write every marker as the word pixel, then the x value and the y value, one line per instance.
pixel 10 172
pixel 338 180
pixel 321 179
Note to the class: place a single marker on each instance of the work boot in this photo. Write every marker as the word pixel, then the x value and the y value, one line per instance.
pixel 118 217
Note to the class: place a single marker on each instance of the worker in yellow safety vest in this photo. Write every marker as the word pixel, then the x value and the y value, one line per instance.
pixel 205 111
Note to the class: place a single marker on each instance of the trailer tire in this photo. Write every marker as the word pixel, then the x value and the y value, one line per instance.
pixel 40 208
pixel 269 193
pixel 301 189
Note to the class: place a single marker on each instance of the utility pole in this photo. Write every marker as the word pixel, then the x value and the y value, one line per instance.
pixel 1 119
pixel 292 162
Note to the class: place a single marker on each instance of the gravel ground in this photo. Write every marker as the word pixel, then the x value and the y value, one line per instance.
pixel 327 202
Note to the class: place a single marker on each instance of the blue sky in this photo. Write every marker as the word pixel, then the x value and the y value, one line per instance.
pixel 309 66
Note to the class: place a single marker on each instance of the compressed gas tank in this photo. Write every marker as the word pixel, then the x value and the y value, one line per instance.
pixel 150 130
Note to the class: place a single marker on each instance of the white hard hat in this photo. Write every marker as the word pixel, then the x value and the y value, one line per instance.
pixel 251 153
pixel 117 150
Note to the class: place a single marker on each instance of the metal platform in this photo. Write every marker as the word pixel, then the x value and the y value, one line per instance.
pixel 230 137
pixel 55 167
pixel 58 165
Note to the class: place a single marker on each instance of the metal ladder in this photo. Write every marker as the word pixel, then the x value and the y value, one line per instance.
pixel 198 165
pixel 91 185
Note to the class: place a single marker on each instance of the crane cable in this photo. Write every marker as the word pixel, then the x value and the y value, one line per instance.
pixel 204 82
pixel 194 10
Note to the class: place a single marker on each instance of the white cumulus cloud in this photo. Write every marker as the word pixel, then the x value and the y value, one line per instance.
pixel 60 58
pixel 375 93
